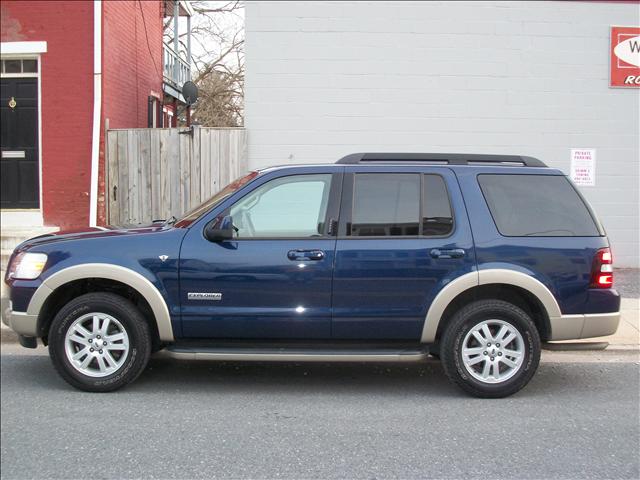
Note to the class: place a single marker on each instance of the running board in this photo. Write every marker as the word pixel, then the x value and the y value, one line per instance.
pixel 295 355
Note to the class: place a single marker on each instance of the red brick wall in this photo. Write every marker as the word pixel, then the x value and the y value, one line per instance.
pixel 132 68
pixel 67 100
pixel 131 71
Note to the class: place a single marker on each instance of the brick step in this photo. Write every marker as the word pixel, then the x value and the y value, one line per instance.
pixel 11 237
pixel 4 297
pixel 4 258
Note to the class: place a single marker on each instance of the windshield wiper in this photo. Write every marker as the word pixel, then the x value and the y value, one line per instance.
pixel 171 220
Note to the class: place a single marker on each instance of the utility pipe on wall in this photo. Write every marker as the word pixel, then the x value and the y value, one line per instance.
pixel 97 106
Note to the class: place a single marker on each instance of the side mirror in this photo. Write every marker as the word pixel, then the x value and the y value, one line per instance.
pixel 219 230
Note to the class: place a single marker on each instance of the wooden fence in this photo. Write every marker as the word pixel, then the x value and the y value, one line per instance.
pixel 155 173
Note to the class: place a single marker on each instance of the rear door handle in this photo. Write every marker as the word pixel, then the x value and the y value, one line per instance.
pixel 447 253
pixel 305 255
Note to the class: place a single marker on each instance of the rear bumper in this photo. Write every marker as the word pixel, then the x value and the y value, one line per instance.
pixel 573 327
pixel 20 322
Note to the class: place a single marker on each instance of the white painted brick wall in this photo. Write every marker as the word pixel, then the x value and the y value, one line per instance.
pixel 327 79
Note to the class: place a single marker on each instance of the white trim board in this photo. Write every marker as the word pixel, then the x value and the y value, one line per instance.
pixel 40 179
pixel 37 75
pixel 19 75
pixel 21 218
pixel 97 112
pixel 22 48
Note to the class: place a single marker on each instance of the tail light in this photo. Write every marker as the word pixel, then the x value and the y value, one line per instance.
pixel 602 270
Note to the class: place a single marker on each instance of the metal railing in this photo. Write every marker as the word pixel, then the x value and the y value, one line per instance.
pixel 176 70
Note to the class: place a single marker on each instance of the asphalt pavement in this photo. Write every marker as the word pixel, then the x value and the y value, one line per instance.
pixel 576 419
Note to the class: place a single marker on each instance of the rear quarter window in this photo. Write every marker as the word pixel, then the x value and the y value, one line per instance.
pixel 536 205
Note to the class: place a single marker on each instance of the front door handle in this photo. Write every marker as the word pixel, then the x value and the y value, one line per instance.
pixel 447 253
pixel 305 255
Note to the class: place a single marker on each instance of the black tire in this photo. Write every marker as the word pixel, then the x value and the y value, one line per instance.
pixel 132 321
pixel 463 322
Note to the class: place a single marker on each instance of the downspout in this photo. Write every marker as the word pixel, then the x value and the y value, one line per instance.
pixel 150 106
pixel 97 106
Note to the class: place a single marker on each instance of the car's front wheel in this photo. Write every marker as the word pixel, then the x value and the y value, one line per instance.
pixel 99 342
pixel 491 348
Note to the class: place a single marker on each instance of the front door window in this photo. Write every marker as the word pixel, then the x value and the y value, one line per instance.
pixel 288 207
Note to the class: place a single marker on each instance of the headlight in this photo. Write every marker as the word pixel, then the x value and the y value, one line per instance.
pixel 27 266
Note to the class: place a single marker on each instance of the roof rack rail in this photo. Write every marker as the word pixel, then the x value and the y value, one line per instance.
pixel 441 158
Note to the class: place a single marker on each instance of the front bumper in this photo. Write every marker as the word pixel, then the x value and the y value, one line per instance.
pixel 21 322
pixel 589 325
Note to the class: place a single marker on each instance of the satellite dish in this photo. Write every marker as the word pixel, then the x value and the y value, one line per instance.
pixel 190 92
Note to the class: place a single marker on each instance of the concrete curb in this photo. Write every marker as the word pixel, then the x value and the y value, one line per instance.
pixel 7 335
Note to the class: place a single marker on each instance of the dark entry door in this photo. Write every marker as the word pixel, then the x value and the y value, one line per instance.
pixel 19 143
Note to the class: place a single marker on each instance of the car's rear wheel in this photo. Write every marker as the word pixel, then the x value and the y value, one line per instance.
pixel 491 348
pixel 99 342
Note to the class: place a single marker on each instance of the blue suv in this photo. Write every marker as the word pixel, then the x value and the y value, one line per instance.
pixel 474 259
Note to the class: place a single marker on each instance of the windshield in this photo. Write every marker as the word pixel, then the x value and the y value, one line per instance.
pixel 192 215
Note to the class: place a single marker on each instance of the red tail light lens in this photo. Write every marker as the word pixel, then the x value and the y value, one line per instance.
pixel 602 270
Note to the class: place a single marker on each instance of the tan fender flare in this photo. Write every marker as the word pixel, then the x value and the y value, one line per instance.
pixel 110 272
pixel 486 277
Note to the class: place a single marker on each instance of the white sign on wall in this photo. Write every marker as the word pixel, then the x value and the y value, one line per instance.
pixel 583 166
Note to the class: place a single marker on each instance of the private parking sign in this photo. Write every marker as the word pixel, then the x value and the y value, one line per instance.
pixel 625 57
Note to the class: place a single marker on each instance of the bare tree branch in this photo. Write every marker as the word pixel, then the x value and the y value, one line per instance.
pixel 217 59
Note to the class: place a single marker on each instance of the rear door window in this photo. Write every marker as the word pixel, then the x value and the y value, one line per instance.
pixel 386 205
pixel 400 205
pixel 536 205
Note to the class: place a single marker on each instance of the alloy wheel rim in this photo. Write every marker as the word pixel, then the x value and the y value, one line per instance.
pixel 493 351
pixel 96 344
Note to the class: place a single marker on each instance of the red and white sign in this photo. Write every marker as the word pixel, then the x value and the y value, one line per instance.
pixel 625 57
pixel 583 166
